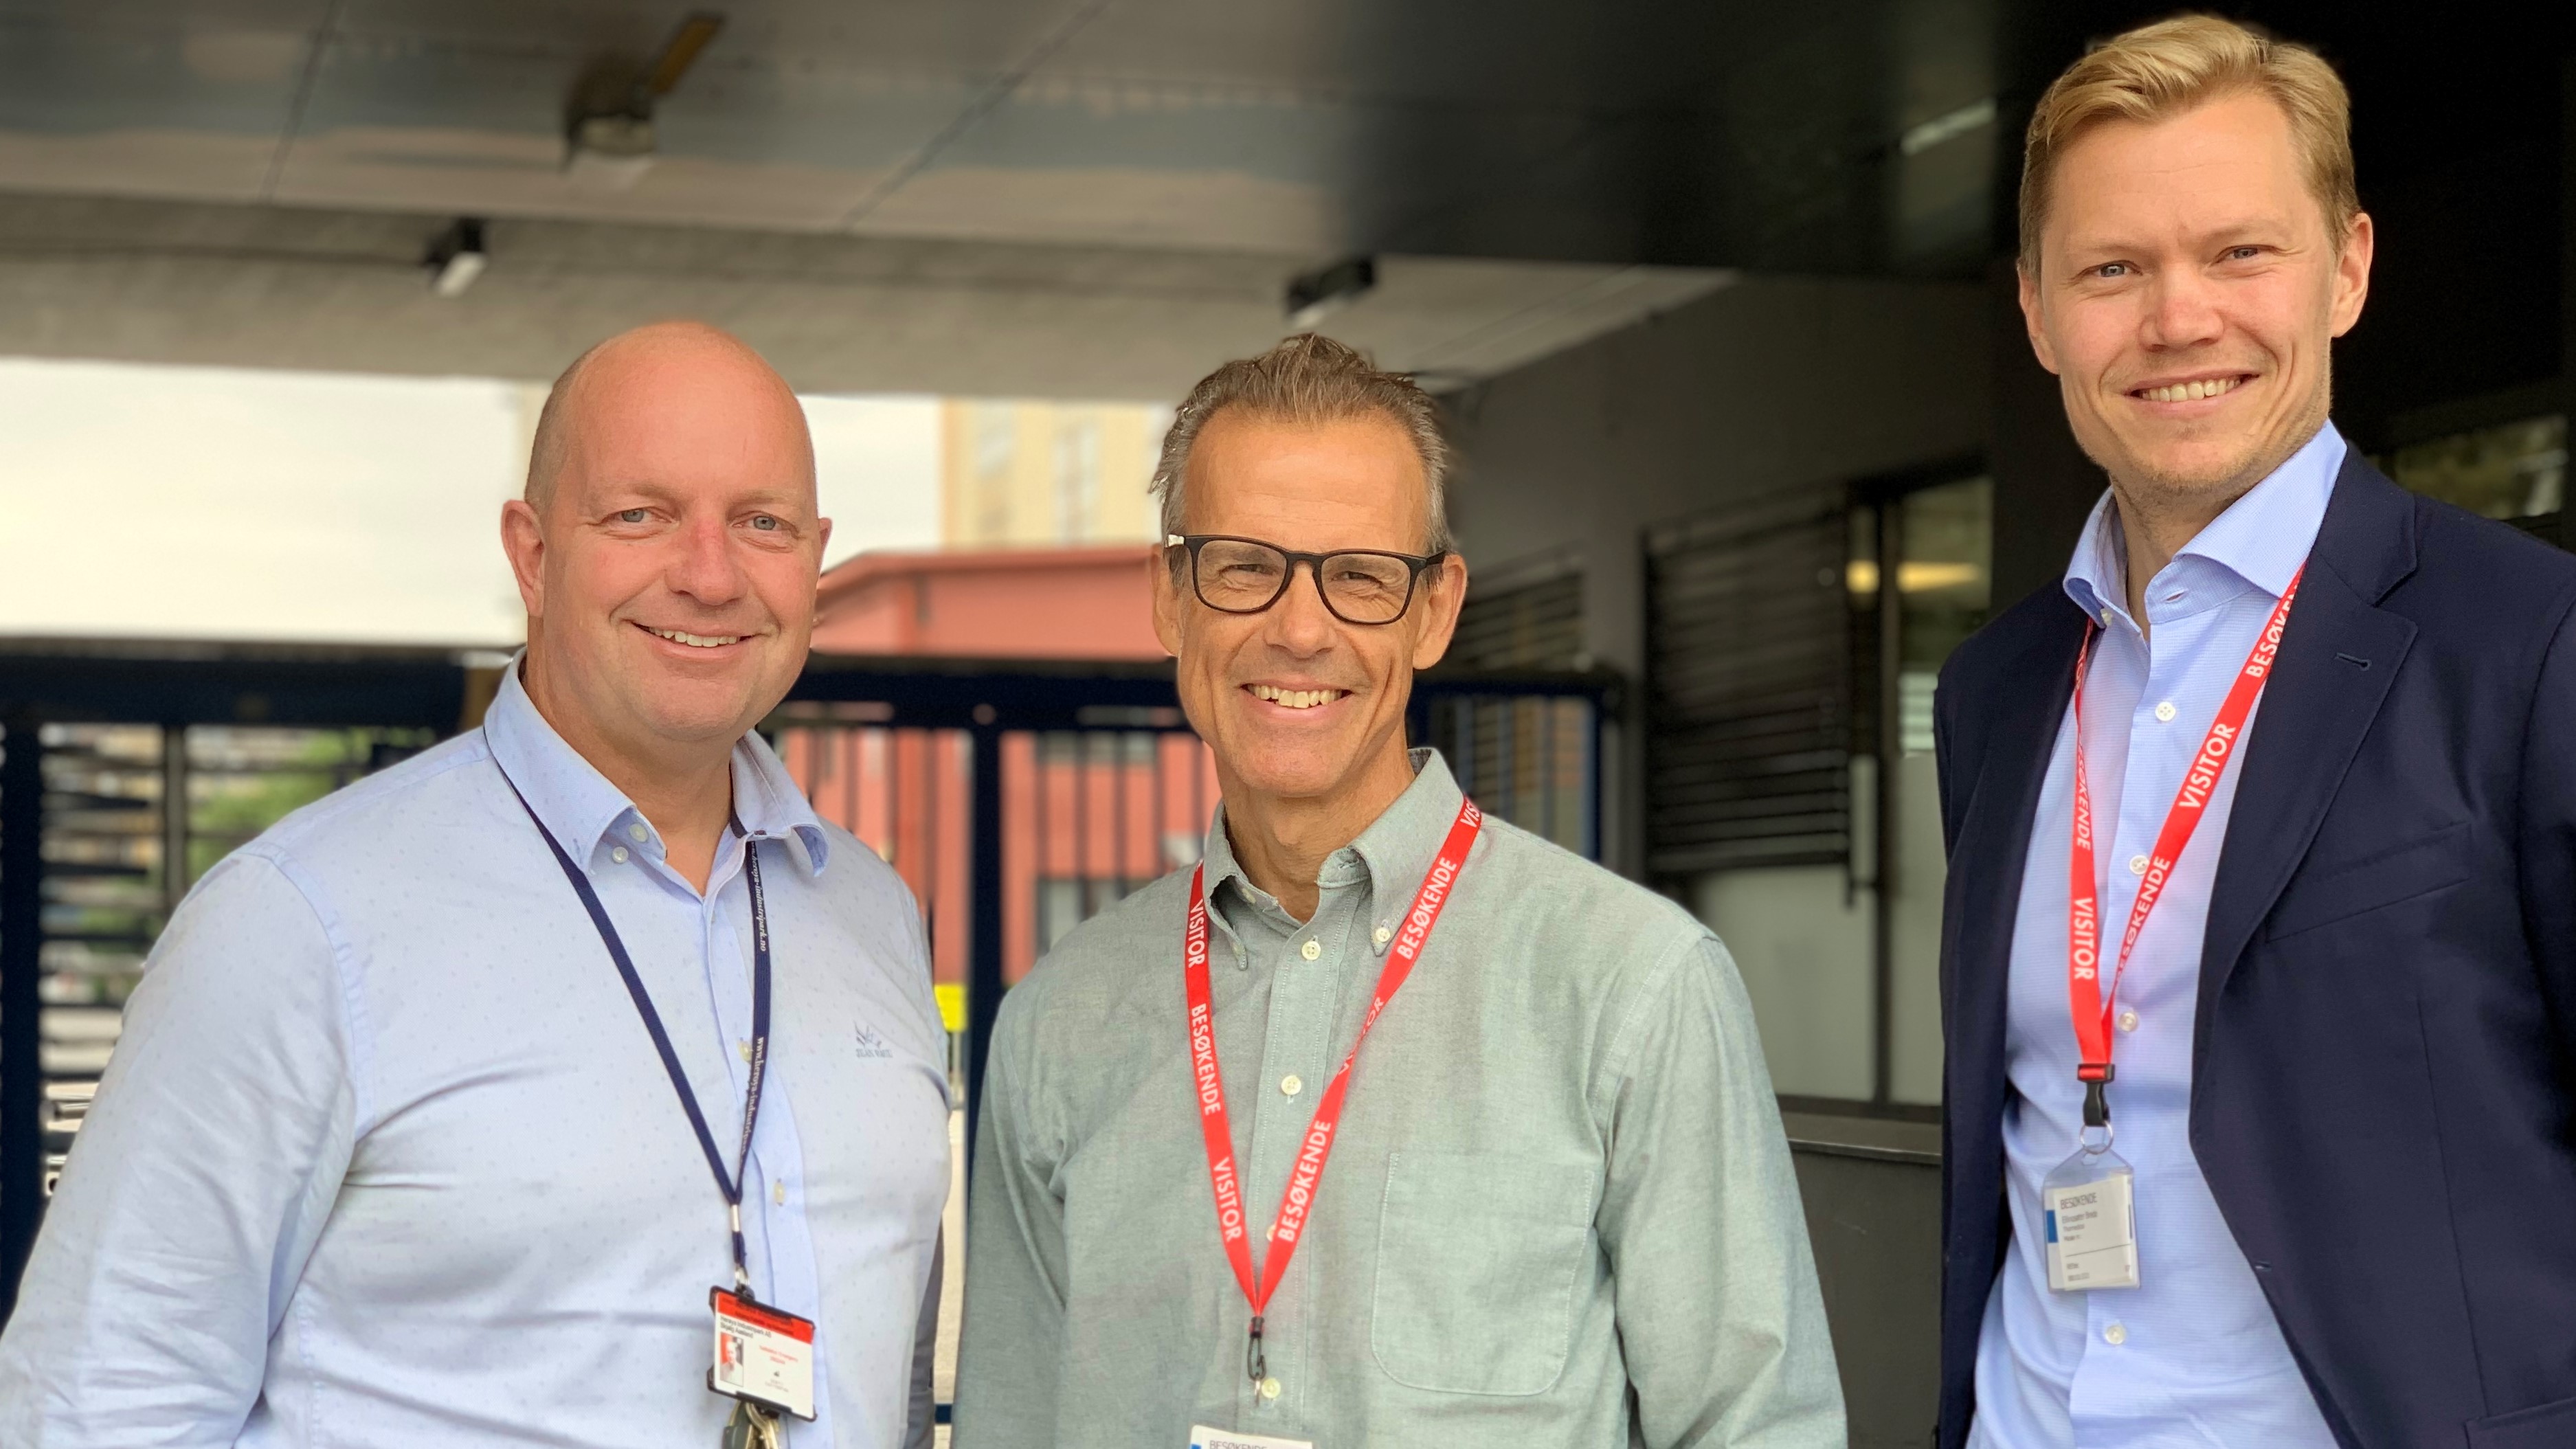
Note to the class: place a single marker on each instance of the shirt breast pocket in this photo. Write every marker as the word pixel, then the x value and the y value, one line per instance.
pixel 1478 1255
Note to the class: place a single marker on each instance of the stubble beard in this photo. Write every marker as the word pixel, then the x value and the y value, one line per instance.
pixel 2203 493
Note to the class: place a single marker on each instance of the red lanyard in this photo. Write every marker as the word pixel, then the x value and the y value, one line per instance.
pixel 2090 1005
pixel 1219 1132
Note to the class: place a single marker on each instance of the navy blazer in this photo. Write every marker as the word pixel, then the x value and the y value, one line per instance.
pixel 2384 1053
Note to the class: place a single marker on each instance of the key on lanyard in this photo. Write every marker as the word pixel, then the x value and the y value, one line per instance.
pixel 751 1427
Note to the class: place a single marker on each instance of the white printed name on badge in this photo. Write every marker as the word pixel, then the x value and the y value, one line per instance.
pixel 762 1355
pixel 1203 1437
pixel 2092 1233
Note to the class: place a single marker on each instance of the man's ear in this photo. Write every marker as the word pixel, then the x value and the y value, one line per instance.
pixel 1167 601
pixel 1444 592
pixel 2352 273
pixel 523 538
pixel 2028 287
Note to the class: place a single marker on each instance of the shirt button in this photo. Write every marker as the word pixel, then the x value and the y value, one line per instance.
pixel 1269 1388
pixel 2137 865
pixel 1381 935
pixel 618 855
pixel 2129 1019
pixel 1292 1084
pixel 637 833
pixel 742 1044
pixel 2166 711
pixel 778 1191
pixel 1311 950
pixel 2116 1334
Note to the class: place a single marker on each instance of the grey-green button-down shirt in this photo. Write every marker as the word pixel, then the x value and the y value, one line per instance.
pixel 1559 1210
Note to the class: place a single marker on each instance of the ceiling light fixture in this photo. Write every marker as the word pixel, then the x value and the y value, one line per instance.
pixel 1320 293
pixel 457 257
pixel 1948 126
pixel 608 131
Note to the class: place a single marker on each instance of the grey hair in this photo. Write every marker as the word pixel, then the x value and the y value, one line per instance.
pixel 1310 378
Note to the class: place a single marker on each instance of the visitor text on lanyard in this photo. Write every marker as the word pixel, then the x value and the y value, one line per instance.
pixel 2090 1004
pixel 1307 1176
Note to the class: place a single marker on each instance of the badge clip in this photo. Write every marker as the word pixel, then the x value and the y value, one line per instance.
pixel 2089 1204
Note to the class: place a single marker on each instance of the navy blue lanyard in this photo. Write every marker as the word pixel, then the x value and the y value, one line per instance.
pixel 730 1184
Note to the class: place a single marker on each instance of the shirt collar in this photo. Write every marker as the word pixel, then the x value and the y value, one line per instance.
pixel 582 810
pixel 2262 538
pixel 1392 853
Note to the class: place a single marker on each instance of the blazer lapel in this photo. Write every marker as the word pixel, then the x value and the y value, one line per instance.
pixel 2339 653
pixel 2028 703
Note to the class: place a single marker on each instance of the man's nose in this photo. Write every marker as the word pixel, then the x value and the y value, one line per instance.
pixel 2183 311
pixel 705 569
pixel 1299 622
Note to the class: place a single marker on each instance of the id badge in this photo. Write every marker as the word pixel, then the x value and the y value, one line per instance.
pixel 762 1355
pixel 2090 1203
pixel 1203 1437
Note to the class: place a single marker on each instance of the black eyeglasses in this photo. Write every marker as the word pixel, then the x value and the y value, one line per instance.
pixel 1246 576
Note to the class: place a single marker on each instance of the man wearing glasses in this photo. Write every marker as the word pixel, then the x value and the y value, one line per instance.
pixel 1388 1123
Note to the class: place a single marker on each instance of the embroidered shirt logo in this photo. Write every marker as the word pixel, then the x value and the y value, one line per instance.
pixel 873 1045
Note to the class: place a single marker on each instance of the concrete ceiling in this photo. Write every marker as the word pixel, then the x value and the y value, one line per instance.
pixel 157 281
pixel 1053 197
pixel 1679 132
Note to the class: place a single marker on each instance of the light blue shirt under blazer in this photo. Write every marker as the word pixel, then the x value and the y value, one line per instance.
pixel 385 1157
pixel 2193 1356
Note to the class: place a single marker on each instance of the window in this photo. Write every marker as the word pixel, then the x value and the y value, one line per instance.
pixel 2512 470
pixel 1791 796
pixel 1524 616
pixel 1077 479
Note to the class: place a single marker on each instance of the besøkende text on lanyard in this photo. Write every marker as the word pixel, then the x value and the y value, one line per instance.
pixel 1299 1197
pixel 728 1183
pixel 2090 1005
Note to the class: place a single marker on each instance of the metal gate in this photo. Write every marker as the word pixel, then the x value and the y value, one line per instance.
pixel 1018 802
pixel 1015 800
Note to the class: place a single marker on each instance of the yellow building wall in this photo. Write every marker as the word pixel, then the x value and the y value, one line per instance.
pixel 1030 473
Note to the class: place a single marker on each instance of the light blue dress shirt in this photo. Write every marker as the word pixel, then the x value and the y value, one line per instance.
pixel 2193 1356
pixel 385 1157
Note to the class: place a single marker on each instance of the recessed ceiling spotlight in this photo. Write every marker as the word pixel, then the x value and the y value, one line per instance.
pixel 457 257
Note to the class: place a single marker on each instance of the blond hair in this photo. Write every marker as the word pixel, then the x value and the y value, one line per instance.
pixel 2162 70
pixel 1309 378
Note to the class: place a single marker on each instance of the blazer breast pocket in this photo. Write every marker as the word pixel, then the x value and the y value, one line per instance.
pixel 2545 1426
pixel 1478 1255
pixel 2400 873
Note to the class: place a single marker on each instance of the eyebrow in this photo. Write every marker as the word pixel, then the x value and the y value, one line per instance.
pixel 658 492
pixel 2205 236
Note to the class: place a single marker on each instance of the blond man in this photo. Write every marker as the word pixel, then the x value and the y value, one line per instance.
pixel 2259 975
pixel 1544 1200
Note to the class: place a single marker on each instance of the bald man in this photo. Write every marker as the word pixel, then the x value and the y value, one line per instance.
pixel 440 1102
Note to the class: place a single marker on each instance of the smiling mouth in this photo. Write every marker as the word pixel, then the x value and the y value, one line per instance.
pixel 2194 390
pixel 694 641
pixel 1295 698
